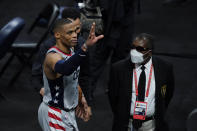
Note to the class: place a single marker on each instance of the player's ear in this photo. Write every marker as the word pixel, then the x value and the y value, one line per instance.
pixel 57 35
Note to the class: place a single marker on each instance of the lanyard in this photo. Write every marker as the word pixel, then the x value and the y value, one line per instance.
pixel 149 81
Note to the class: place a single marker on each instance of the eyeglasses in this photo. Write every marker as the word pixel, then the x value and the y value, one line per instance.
pixel 139 48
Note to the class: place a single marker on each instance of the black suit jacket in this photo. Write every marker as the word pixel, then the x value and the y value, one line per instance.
pixel 120 92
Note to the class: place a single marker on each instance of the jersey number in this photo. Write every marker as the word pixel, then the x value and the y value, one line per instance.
pixel 76 75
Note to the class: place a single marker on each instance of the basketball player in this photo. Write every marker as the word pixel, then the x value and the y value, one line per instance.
pixel 60 73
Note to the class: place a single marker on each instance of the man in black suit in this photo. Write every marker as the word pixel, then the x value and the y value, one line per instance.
pixel 141 82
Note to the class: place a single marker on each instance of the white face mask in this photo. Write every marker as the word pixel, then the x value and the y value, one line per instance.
pixel 136 57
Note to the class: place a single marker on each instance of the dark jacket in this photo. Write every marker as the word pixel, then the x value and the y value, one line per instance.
pixel 120 92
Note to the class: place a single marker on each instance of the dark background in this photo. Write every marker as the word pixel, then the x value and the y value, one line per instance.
pixel 175 30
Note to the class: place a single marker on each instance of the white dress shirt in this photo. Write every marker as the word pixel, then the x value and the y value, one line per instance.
pixel 151 97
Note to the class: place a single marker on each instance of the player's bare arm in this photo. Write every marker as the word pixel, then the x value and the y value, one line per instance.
pixel 49 65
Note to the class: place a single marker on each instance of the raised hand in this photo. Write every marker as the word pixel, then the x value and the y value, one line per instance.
pixel 92 38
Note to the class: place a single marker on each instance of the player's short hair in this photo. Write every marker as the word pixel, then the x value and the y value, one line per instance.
pixel 59 24
pixel 70 12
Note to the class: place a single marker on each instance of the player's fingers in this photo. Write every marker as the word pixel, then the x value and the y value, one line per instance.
pixel 89 111
pixel 85 118
pixel 77 110
pixel 100 37
pixel 77 113
pixel 81 115
pixel 93 29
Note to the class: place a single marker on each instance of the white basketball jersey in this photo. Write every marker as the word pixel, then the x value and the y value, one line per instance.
pixel 62 92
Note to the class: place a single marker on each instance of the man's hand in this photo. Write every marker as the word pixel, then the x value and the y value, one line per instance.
pixel 92 38
pixel 83 111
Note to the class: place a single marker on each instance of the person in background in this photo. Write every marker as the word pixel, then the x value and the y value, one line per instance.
pixel 140 82
pixel 118 28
